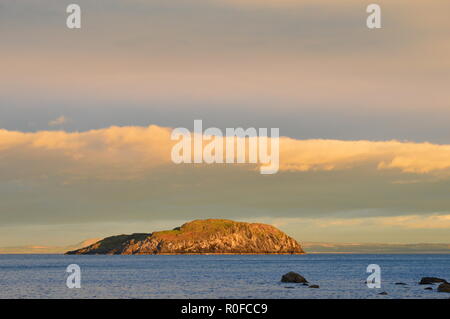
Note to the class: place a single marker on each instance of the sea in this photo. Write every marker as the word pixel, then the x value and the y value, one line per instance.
pixel 220 276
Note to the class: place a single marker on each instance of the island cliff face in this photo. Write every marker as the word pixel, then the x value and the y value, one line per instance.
pixel 210 236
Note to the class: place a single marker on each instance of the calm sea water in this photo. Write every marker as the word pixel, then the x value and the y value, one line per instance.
pixel 339 276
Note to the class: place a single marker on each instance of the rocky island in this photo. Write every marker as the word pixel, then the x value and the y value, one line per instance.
pixel 210 236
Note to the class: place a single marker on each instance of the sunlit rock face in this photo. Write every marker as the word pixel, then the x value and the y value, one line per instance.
pixel 210 236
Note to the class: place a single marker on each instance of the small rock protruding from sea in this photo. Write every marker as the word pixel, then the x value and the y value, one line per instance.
pixel 400 284
pixel 293 277
pixel 384 293
pixel 431 280
pixel 444 287
pixel 314 286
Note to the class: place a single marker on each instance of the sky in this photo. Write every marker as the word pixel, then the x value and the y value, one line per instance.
pixel 86 116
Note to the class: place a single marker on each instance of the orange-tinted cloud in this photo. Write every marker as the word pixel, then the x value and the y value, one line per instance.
pixel 128 152
pixel 426 221
pixel 298 155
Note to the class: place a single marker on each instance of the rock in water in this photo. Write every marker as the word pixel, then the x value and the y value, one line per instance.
pixel 314 286
pixel 293 277
pixel 210 236
pixel 444 287
pixel 431 280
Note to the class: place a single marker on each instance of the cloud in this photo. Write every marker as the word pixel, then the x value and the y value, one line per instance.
pixel 280 54
pixel 433 221
pixel 408 157
pixel 131 152
pixel 426 221
pixel 58 121
pixel 34 249
pixel 111 153
pixel 379 248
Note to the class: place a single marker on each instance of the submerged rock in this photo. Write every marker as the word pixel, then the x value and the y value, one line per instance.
pixel 431 280
pixel 428 288
pixel 444 287
pixel 293 277
pixel 314 286
pixel 384 293
pixel 401 283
